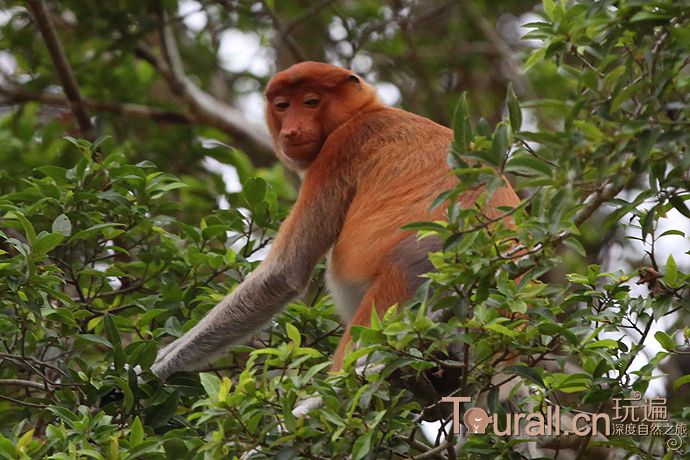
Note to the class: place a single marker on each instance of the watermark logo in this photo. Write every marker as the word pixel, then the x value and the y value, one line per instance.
pixel 476 420
pixel 631 417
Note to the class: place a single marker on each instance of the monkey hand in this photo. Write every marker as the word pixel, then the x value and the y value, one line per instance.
pixel 214 333
pixel 189 352
pixel 164 365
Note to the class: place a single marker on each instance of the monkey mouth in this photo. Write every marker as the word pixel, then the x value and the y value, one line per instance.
pixel 302 150
pixel 297 145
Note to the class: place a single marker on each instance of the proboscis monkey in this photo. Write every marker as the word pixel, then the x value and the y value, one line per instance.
pixel 367 169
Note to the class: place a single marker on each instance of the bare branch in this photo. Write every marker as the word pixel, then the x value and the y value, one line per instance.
pixel 22 403
pixel 18 95
pixel 22 383
pixel 436 452
pixel 204 108
pixel 62 66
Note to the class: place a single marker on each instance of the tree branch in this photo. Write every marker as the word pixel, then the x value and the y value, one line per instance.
pixel 22 403
pixel 62 66
pixel 22 383
pixel 204 108
pixel 522 84
pixel 297 52
pixel 306 14
pixel 19 95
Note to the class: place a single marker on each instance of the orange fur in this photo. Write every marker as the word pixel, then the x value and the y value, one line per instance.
pixel 369 169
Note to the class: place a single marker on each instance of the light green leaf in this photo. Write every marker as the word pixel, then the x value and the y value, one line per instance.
pixel 665 340
pixel 62 224
pixel 293 334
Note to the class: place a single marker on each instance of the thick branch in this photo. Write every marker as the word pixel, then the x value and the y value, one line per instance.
pixel 64 71
pixel 18 95
pixel 204 108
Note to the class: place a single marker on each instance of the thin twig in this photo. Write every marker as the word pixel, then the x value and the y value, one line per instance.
pixel 62 66
pixel 297 52
pixel 435 452
pixel 23 403
pixel 507 54
pixel 22 383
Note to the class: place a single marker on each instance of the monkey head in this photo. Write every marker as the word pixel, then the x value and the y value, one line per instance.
pixel 307 102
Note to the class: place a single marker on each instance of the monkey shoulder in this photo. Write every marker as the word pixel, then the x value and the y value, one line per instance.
pixel 375 142
pixel 370 131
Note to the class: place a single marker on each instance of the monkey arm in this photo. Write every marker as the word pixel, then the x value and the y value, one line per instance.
pixel 238 315
pixel 305 236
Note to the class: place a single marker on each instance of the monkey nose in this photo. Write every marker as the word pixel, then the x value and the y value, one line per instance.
pixel 289 133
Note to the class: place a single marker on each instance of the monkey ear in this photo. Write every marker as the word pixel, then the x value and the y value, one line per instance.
pixel 353 78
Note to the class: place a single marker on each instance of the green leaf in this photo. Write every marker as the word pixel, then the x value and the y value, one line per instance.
pixel 673 232
pixel 136 435
pixel 293 334
pixel 97 339
pixel 625 95
pixel 211 384
pixel 501 329
pixel 433 226
pixel 528 165
pixel 358 353
pixel 483 128
pixel 111 330
pixel 160 414
pixel 93 230
pixel 65 415
pixel 254 190
pixel 529 373
pixel 26 225
pixel 604 343
pixel 681 381
pixel 576 246
pixel 97 143
pixel 47 242
pixel 56 172
pixel 362 445
pixel 7 450
pixel 647 222
pixel 62 224
pixel 671 275
pixel 514 110
pixel 646 15
pixel 679 204
pixel 535 57
pixel 500 144
pixel 665 340
pixel 590 130
pixel 461 124
pixel 573 383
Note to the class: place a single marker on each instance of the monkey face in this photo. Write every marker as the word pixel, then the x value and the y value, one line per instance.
pixel 306 103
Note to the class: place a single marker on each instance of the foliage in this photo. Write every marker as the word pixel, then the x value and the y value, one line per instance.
pixel 102 260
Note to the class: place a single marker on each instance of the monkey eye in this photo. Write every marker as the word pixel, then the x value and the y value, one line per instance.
pixel 311 101
pixel 282 105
